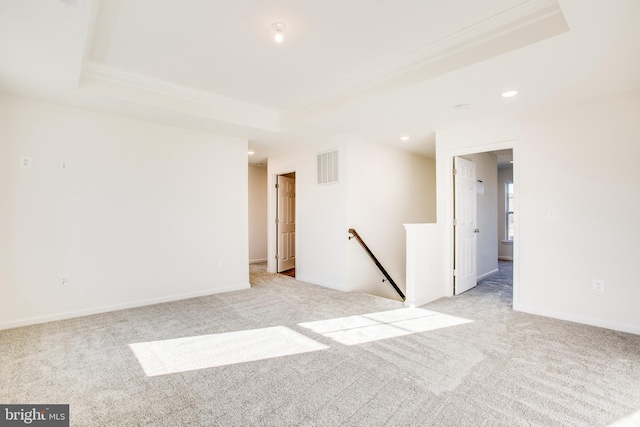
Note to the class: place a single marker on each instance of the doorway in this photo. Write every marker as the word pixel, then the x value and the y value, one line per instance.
pixel 506 196
pixel 490 241
pixel 286 224
pixel 483 216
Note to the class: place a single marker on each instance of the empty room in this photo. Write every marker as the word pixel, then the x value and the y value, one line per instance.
pixel 319 213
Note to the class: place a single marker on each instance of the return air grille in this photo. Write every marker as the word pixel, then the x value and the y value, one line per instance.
pixel 328 167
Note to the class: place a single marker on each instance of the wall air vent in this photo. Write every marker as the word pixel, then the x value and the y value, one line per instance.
pixel 328 167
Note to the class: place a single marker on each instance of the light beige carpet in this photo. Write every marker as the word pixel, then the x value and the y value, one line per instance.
pixel 270 356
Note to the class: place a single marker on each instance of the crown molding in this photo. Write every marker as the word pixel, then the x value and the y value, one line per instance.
pixel 141 89
pixel 428 60
pixel 528 22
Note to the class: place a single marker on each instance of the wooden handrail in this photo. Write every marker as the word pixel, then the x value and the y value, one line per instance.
pixel 354 234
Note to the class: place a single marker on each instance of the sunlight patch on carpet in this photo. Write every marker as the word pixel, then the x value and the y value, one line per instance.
pixel 208 351
pixel 632 420
pixel 383 325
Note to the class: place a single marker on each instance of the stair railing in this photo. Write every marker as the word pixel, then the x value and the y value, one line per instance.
pixel 354 235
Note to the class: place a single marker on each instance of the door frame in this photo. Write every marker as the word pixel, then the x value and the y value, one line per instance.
pixel 447 161
pixel 272 207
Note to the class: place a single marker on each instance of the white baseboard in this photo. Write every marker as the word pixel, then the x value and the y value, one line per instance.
pixel 257 261
pixel 487 274
pixel 506 258
pixel 621 327
pixel 422 301
pixel 319 283
pixel 116 307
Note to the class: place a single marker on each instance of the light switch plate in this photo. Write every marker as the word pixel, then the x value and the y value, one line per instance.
pixel 25 162
pixel 551 214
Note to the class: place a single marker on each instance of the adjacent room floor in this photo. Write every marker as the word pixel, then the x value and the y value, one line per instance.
pixel 287 353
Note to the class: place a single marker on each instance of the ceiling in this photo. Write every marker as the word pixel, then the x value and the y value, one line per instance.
pixel 369 70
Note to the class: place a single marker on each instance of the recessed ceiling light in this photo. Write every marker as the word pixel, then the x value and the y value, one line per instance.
pixel 279 27
pixel 251 152
pixel 509 93
pixel 404 138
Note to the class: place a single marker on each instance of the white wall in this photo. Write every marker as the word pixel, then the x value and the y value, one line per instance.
pixel 575 186
pixel 424 258
pixel 144 213
pixel 380 189
pixel 505 250
pixel 388 187
pixel 321 216
pixel 257 214
pixel 487 213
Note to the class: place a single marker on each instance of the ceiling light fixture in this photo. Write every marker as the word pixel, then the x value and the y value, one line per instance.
pixel 509 93
pixel 251 152
pixel 279 27
pixel 404 138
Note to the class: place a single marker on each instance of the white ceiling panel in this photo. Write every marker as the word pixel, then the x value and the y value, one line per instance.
pixel 226 47
pixel 373 70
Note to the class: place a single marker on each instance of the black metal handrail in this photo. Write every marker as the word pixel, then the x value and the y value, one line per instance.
pixel 354 234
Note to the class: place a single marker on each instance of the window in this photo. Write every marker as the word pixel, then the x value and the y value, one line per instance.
pixel 509 210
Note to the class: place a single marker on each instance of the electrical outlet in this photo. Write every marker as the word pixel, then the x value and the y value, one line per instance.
pixel 598 285
pixel 222 263
pixel 64 164
pixel 64 281
pixel 25 162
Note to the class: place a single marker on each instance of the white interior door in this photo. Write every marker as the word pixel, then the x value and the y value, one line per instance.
pixel 465 230
pixel 286 223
